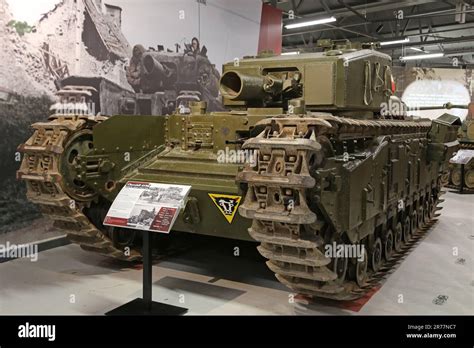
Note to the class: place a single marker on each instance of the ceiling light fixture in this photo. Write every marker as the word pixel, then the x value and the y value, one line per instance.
pixel 310 23
pixel 393 42
pixel 290 53
pixel 418 49
pixel 422 56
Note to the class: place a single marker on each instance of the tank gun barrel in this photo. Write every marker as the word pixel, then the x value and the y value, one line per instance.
pixel 154 74
pixel 444 106
pixel 241 87
pixel 152 66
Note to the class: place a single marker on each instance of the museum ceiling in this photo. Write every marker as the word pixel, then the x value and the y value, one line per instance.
pixel 425 26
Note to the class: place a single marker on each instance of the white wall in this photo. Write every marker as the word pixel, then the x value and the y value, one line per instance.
pixel 433 93
pixel 437 86
pixel 228 28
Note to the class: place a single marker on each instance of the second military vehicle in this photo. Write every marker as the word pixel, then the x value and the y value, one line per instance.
pixel 164 81
pixel 462 165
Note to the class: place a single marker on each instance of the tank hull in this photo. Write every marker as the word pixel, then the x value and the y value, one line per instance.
pixel 307 162
pixel 366 188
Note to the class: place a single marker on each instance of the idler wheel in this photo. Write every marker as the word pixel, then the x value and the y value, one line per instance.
pixel 78 145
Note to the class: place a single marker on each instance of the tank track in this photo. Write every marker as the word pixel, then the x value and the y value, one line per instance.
pixel 290 240
pixel 40 169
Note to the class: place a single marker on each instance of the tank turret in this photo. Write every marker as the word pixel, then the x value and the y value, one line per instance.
pixel 180 77
pixel 353 82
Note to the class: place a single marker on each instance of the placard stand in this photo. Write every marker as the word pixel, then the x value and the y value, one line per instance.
pixel 145 305
pixel 463 177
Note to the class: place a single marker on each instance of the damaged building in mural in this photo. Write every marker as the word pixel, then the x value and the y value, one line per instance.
pixel 85 35
pixel 75 38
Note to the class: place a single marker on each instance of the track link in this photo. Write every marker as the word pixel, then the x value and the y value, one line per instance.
pixel 40 169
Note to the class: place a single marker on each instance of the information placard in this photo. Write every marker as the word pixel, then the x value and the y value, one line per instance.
pixel 147 206
pixel 463 156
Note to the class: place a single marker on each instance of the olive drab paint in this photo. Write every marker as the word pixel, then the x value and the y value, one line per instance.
pixel 328 167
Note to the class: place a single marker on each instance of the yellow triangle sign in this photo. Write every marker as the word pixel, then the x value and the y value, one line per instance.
pixel 227 204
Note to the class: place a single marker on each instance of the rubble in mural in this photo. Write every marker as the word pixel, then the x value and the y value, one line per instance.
pixel 75 38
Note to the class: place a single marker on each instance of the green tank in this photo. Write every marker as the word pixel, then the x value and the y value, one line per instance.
pixel 313 156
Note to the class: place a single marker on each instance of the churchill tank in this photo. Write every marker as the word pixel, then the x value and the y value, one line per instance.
pixel 311 160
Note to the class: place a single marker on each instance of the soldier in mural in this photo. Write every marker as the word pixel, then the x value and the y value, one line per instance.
pixel 134 69
pixel 195 46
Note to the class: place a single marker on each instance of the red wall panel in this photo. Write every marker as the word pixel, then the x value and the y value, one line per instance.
pixel 270 29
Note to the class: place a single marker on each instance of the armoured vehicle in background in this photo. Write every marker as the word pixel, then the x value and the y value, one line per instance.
pixel 174 79
pixel 462 165
pixel 168 81
pixel 332 165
